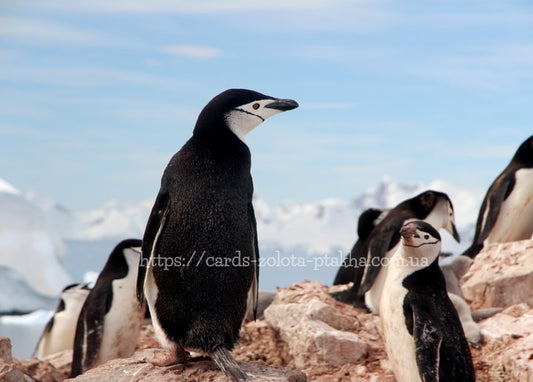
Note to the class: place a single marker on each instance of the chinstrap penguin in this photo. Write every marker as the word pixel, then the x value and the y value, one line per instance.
pixel 506 213
pixel 423 335
pixel 366 223
pixel 110 320
pixel 203 216
pixel 58 334
pixel 430 206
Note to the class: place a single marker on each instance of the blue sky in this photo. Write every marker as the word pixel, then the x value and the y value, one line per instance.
pixel 96 95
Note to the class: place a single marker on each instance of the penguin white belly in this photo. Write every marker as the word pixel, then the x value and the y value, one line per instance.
pixel 515 220
pixel 151 292
pixel 122 323
pixel 399 344
pixel 373 295
pixel 62 335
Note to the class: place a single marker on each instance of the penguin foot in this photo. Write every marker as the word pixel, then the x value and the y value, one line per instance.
pixel 164 358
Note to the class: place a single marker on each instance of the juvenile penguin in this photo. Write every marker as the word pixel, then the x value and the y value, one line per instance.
pixel 424 338
pixel 203 221
pixel 110 320
pixel 506 213
pixel 367 221
pixel 430 206
pixel 58 334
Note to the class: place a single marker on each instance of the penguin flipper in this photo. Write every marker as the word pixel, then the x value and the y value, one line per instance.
pixel 102 298
pixel 428 338
pixel 375 253
pixel 155 225
pixel 253 294
pixel 489 211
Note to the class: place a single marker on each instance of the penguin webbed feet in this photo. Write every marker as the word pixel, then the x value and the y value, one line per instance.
pixel 165 357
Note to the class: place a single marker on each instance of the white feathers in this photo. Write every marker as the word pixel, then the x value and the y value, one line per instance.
pixel 243 119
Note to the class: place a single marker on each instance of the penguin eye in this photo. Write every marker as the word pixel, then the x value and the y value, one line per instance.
pixel 426 237
pixel 255 106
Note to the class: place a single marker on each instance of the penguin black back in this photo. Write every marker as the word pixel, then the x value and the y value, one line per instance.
pixel 91 334
pixel 498 195
pixel 199 257
pixel 426 293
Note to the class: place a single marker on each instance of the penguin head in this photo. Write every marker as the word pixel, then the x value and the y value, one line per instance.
pixel 437 208
pixel 240 111
pixel 524 154
pixel 369 219
pixel 420 239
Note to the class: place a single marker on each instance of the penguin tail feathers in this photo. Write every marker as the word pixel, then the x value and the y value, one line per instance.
pixel 227 364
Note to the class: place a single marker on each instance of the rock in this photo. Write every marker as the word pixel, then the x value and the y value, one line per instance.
pixel 136 368
pixel 507 353
pixel 312 328
pixel 501 276
pixel 14 370
pixel 5 350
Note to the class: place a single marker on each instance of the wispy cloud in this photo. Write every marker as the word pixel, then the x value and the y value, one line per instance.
pixel 192 51
pixel 182 6
pixel 491 68
pixel 39 31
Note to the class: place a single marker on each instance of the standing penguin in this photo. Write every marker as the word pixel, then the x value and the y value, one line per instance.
pixel 199 266
pixel 110 320
pixel 58 334
pixel 431 206
pixel 506 213
pixel 367 221
pixel 423 335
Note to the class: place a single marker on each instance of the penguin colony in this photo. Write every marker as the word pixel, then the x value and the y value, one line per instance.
pixel 204 210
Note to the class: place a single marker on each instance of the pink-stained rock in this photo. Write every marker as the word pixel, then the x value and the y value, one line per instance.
pixel 501 276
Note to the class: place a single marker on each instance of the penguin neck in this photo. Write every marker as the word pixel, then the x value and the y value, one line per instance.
pixel 411 260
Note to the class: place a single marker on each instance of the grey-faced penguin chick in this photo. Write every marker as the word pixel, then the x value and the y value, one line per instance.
pixel 506 213
pixel 430 206
pixel 423 334
pixel 366 223
pixel 453 269
pixel 110 320
pixel 203 220
pixel 58 334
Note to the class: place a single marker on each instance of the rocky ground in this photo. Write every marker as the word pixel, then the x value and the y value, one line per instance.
pixel 305 333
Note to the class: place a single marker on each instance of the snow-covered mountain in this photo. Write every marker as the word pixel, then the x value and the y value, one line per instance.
pixel 321 227
pixel 30 273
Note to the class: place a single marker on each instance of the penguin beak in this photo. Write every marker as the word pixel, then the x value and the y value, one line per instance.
pixel 283 104
pixel 455 234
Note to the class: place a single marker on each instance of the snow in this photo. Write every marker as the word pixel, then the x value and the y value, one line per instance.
pixel 322 227
pixel 29 250
pixel 24 331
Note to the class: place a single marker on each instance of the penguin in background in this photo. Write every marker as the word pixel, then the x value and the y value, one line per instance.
pixel 110 320
pixel 423 335
pixel 431 206
pixel 506 213
pixel 366 223
pixel 58 334
pixel 203 221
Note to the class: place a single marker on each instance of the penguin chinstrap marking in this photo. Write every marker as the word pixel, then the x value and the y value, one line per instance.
pixel 506 213
pixel 110 320
pixel 430 206
pixel 366 223
pixel 58 334
pixel 423 335
pixel 203 222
